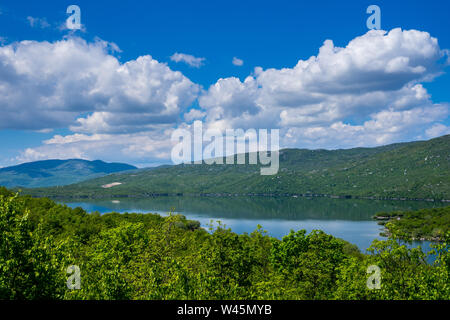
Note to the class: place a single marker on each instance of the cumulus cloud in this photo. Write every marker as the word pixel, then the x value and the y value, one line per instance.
pixel 367 93
pixel 384 127
pixel 341 89
pixel 231 98
pixel 139 148
pixel 122 122
pixel 72 77
pixel 194 114
pixel 188 59
pixel 237 62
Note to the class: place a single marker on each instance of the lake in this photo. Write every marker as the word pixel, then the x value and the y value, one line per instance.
pixel 349 219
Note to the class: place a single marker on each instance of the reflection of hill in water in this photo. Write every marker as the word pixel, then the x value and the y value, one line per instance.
pixel 262 207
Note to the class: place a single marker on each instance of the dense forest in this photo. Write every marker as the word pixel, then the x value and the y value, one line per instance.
pixel 414 170
pixel 146 256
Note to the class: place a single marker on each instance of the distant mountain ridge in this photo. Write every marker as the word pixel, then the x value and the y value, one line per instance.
pixel 48 173
pixel 413 170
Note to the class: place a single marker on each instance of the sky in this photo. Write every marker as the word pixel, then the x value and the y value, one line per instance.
pixel 137 70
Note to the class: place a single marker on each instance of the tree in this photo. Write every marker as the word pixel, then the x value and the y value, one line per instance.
pixel 30 262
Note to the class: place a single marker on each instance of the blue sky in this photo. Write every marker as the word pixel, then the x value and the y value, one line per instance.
pixel 271 35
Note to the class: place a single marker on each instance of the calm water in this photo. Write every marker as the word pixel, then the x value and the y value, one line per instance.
pixel 348 219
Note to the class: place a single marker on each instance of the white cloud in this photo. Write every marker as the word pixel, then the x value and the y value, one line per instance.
pixel 230 98
pixel 38 22
pixel 46 130
pixel 238 62
pixel 384 127
pixel 194 114
pixel 376 74
pixel 365 94
pixel 437 130
pixel 72 77
pixel 122 122
pixel 188 59
pixel 133 148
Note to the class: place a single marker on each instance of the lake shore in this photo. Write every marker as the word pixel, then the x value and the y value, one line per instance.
pixel 420 225
pixel 269 195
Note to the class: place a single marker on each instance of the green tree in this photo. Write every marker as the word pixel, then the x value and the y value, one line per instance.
pixel 30 262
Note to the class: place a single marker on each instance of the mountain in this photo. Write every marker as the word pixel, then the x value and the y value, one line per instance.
pixel 57 172
pixel 411 170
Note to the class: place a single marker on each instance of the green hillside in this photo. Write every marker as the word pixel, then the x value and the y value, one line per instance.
pixel 415 170
pixel 57 172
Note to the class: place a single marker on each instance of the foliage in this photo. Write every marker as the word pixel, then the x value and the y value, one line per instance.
pixel 146 256
pixel 30 260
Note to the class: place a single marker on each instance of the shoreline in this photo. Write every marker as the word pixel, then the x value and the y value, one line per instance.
pixel 223 195
pixel 387 234
pixel 384 220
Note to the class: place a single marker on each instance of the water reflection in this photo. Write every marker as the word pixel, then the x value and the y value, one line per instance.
pixel 349 219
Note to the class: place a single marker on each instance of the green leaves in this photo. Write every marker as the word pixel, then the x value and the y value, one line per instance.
pixel 308 261
pixel 146 256
pixel 30 260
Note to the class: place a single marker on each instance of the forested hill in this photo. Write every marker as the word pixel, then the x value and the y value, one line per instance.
pixel 415 170
pixel 57 172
